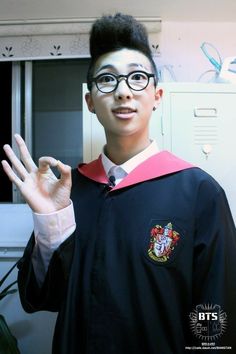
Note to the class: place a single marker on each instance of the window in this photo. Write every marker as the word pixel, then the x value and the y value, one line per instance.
pixel 5 125
pixel 44 105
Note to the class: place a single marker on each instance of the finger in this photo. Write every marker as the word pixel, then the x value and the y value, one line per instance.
pixel 45 164
pixel 65 172
pixel 24 154
pixel 16 163
pixel 11 175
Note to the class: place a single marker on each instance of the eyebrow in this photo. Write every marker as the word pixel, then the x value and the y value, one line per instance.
pixel 110 66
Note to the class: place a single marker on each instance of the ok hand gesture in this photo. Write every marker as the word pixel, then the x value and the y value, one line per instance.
pixel 40 188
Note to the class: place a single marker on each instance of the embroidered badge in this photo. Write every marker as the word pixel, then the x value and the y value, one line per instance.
pixel 162 242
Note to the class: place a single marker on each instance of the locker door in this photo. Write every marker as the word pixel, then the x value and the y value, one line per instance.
pixel 203 132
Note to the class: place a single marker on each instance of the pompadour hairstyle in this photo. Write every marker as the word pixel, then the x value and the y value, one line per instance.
pixel 111 33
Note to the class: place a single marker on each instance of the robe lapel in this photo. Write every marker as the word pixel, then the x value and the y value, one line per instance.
pixel 160 164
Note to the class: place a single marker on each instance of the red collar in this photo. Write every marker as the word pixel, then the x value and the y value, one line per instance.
pixel 160 164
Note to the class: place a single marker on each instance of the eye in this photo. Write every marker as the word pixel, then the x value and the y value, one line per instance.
pixel 138 76
pixel 106 79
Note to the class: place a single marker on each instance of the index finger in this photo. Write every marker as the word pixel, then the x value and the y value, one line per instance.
pixel 45 164
pixel 24 154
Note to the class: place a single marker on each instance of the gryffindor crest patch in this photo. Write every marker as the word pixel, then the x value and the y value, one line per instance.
pixel 163 240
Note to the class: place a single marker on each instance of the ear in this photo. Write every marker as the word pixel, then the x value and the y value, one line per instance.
pixel 89 101
pixel 158 96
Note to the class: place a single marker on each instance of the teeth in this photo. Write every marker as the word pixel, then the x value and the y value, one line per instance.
pixel 124 111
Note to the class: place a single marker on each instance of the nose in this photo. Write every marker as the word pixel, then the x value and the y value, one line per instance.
pixel 123 91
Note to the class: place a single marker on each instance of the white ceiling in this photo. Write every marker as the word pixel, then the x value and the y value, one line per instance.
pixel 168 10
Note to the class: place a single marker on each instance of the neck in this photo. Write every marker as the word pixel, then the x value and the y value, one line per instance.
pixel 121 150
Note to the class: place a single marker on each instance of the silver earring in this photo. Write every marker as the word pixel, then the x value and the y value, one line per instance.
pixel 154 108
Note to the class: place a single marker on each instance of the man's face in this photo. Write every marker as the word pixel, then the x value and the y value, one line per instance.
pixel 124 112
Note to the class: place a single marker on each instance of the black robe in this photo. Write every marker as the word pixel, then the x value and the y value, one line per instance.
pixel 146 258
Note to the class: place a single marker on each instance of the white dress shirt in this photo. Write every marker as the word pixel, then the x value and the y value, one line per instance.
pixel 52 229
pixel 120 171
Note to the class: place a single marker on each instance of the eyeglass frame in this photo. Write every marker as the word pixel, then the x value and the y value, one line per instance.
pixel 118 77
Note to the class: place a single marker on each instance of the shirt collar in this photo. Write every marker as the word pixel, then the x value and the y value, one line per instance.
pixel 129 165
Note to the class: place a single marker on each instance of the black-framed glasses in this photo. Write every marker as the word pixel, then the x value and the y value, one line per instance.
pixel 136 80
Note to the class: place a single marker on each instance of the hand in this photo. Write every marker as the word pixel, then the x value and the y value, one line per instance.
pixel 40 188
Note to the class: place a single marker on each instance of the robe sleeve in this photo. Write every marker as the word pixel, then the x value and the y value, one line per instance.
pixel 214 267
pixel 50 296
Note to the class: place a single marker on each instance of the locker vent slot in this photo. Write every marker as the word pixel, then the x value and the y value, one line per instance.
pixel 206 134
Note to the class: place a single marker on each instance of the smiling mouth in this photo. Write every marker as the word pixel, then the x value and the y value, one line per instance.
pixel 124 112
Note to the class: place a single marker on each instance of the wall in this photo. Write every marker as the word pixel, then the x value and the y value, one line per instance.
pixel 180 44
pixel 178 10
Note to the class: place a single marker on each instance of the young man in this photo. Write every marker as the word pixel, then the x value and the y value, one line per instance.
pixel 154 245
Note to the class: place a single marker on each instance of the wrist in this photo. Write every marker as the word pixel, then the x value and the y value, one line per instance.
pixel 49 210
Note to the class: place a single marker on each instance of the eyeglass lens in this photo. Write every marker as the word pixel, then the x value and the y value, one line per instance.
pixel 137 81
